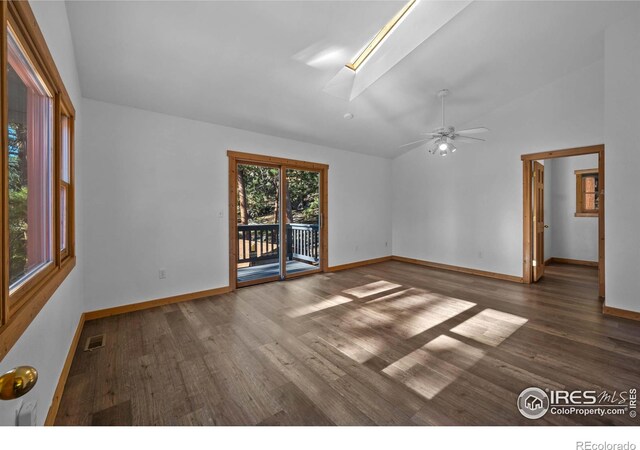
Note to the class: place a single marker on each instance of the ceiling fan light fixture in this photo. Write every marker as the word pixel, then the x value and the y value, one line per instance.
pixel 445 147
pixel 441 140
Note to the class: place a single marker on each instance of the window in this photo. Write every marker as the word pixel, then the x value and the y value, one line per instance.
pixel 30 169
pixel 378 38
pixel 36 173
pixel 587 193
pixel 65 183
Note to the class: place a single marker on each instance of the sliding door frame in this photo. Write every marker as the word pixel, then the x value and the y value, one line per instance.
pixel 283 164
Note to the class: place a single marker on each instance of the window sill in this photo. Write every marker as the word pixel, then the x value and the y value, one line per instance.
pixel 20 320
pixel 587 214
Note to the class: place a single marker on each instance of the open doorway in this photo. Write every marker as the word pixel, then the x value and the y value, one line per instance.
pixel 277 218
pixel 563 211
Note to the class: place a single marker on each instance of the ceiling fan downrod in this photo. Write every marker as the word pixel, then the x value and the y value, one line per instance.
pixel 442 94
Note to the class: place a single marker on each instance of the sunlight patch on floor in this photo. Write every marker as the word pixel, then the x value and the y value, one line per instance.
pixel 390 297
pixel 434 366
pixel 350 347
pixel 356 327
pixel 428 312
pixel 377 287
pixel 315 307
pixel 490 327
pixel 413 311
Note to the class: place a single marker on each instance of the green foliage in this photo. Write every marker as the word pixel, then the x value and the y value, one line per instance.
pixel 304 195
pixel 312 211
pixel 18 193
pixel 262 187
pixel 17 233
pixel 262 191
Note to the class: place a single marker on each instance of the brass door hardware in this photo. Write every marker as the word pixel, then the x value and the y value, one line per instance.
pixel 17 382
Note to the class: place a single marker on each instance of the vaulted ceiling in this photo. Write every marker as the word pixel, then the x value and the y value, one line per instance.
pixel 246 64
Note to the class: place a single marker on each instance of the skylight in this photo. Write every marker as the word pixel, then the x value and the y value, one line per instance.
pixel 378 38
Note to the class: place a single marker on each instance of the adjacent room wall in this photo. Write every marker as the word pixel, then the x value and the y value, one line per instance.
pixel 466 209
pixel 622 118
pixel 46 342
pixel 568 236
pixel 157 196
pixel 548 211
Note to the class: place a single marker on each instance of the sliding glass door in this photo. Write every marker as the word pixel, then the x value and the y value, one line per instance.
pixel 303 217
pixel 258 223
pixel 277 228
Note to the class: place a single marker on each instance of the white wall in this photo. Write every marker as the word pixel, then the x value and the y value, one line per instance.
pixel 46 341
pixel 466 209
pixel 568 236
pixel 548 211
pixel 622 140
pixel 156 185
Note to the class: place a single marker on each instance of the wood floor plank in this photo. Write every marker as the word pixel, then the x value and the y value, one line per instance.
pixel 116 415
pixel 330 402
pixel 386 344
pixel 298 409
pixel 246 391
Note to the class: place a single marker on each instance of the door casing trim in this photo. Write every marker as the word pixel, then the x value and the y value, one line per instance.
pixel 236 158
pixel 527 228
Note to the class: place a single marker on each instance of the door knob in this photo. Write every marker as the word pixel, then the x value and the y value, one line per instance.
pixel 17 382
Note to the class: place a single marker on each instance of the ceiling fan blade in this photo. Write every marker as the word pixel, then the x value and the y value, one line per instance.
pixel 473 130
pixel 415 142
pixel 468 139
pixel 432 134
pixel 432 146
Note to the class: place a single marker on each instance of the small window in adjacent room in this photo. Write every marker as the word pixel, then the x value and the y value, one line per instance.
pixel 587 193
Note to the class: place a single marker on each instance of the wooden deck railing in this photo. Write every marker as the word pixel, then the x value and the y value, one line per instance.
pixel 303 242
pixel 262 242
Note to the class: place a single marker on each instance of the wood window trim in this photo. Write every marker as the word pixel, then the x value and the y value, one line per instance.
pixel 580 209
pixel 236 158
pixel 67 111
pixel 20 307
pixel 527 173
pixel 64 251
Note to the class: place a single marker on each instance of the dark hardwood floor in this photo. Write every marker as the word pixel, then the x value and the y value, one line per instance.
pixel 387 344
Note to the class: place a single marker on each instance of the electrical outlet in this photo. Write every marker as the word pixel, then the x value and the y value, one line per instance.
pixel 162 274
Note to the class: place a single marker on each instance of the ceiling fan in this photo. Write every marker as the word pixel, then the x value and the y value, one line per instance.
pixel 442 140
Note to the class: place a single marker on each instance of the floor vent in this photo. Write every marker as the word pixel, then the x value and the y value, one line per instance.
pixel 94 342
